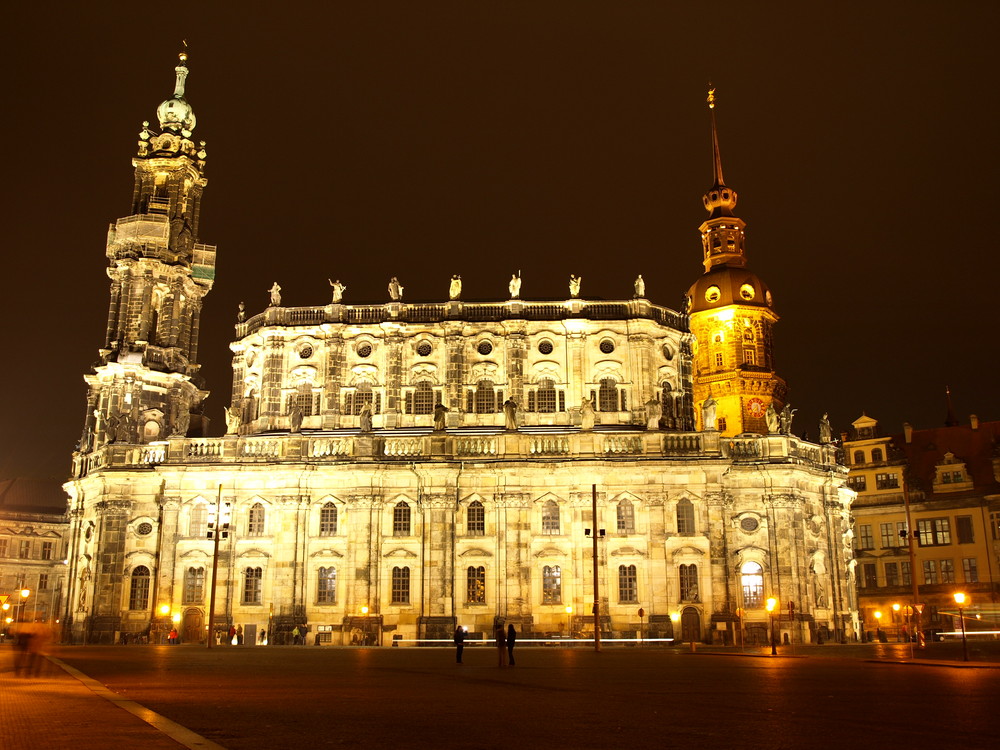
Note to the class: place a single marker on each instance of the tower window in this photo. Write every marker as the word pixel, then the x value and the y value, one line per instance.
pixel 551 584
pixel 401 519
pixel 719 359
pixel 328 520
pixel 475 519
pixel 400 586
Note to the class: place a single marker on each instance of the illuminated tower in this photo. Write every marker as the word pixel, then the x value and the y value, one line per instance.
pixel 732 318
pixel 146 385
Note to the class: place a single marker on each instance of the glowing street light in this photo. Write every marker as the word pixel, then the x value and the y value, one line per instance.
pixel 364 611
pixel 960 600
pixel 878 625
pixel 771 606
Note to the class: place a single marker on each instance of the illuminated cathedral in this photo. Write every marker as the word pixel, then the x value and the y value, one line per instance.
pixel 392 470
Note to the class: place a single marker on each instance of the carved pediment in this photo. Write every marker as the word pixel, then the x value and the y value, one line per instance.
pixel 550 552
pixel 476 552
pixel 751 550
pixel 194 553
pixel 628 552
pixel 326 552
pixel 687 551
pixel 400 552
pixel 549 496
pixel 253 552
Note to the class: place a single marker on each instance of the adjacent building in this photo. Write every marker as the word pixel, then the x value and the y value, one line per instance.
pixel 394 470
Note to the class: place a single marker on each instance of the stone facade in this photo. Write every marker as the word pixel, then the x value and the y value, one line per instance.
pixel 391 471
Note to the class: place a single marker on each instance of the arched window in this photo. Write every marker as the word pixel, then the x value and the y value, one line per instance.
pixel 545 397
pixel 876 455
pixel 423 398
pixel 551 584
pixel 328 520
pixel 475 579
pixel 685 517
pixel 401 519
pixel 138 596
pixel 628 587
pixel 626 517
pixel 400 585
pixel 859 457
pixel 326 586
pixel 486 400
pixel 363 394
pixel 550 517
pixel 255 520
pixel 194 586
pixel 198 523
pixel 253 579
pixel 607 395
pixel 752 580
pixel 689 583
pixel 475 519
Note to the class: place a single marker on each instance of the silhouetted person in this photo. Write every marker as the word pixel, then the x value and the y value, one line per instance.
pixel 511 637
pixel 459 643
pixel 501 646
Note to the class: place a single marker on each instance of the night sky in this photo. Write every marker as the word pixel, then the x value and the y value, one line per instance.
pixel 364 140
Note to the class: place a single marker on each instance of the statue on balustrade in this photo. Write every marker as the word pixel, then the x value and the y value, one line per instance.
pixel 653 413
pixel 825 432
pixel 708 413
pixel 640 286
pixel 587 416
pixel 338 290
pixel 365 417
pixel 771 416
pixel 395 289
pixel 295 418
pixel 455 287
pixel 275 292
pixel 574 285
pixel 510 414
pixel 514 286
pixel 232 420
pixel 440 410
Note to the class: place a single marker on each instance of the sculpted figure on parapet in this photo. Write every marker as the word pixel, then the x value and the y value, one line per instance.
pixel 232 420
pixel 395 289
pixel 510 414
pixel 440 412
pixel 338 290
pixel 825 432
pixel 708 412
pixel 587 415
pixel 455 287
pixel 772 419
pixel 640 286
pixel 365 417
pixel 653 412
pixel 574 285
pixel 514 287
pixel 786 419
pixel 275 292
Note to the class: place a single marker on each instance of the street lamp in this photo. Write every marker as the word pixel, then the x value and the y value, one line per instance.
pixel 569 616
pixel 25 593
pixel 960 600
pixel 878 625
pixel 772 605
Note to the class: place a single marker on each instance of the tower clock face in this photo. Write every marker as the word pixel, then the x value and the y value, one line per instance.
pixel 712 294
pixel 756 407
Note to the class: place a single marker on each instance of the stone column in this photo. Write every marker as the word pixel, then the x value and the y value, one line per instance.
pixel 110 577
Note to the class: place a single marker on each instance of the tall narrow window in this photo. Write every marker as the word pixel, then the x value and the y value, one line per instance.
pixel 607 395
pixel 423 398
pixel 194 585
pixel 138 597
pixel 550 517
pixel 963 529
pixel 363 394
pixel 400 585
pixel 304 399
pixel 401 519
pixel 253 579
pixel 891 574
pixel 46 550
pixel 328 520
pixel 689 583
pixel 970 570
pixel 255 520
pixel 625 518
pixel 475 578
pixel 947 571
pixel 326 586
pixel 475 519
pixel 628 589
pixel 24 549
pixel 198 525
pixel 551 584
pixel 685 517
pixel 752 581
pixel 545 397
pixel 859 457
pixel 43 581
pixel 930 571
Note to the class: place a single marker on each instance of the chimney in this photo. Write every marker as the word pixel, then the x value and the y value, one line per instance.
pixel 907 432
pixel 974 421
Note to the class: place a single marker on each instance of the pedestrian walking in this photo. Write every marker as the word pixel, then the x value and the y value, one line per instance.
pixel 239 635
pixel 459 643
pixel 295 636
pixel 263 637
pixel 232 635
pixel 172 636
pixel 511 638
pixel 501 645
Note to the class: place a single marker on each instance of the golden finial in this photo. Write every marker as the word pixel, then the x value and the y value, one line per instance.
pixel 711 96
pixel 184 52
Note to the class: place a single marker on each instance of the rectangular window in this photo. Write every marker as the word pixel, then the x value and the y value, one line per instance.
pixel 963 528
pixel 930 571
pixel 475 585
pixel 43 582
pixel 995 524
pixel 888 534
pixel 892 574
pixel 870 576
pixel 252 585
pixel 326 586
pixel 551 584
pixel 749 357
pixel 46 550
pixel 865 539
pixel 886 481
pixel 904 568
pixel 933 532
pixel 627 586
pixel 857 483
pixel 901 533
pixel 24 549
pixel 194 586
pixel 400 586
pixel 947 571
pixel 970 570
pixel 3 547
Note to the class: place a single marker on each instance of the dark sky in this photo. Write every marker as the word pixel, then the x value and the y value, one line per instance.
pixel 363 140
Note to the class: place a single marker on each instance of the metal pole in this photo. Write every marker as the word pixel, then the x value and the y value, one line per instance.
pixel 215 566
pixel 597 599
pixel 913 557
pixel 965 643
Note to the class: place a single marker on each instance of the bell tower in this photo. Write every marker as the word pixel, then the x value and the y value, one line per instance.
pixel 732 318
pixel 146 385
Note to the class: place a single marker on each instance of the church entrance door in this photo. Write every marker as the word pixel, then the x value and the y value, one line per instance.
pixel 690 625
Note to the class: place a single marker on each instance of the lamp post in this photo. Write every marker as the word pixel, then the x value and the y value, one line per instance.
pixel 569 615
pixel 878 625
pixel 772 605
pixel 25 593
pixel 906 618
pixel 960 600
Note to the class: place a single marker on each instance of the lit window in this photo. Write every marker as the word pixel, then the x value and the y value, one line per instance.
pixel 551 584
pixel 930 571
pixel 625 517
pixel 475 589
pixel 933 532
pixel 886 481
pixel 328 520
pixel 485 399
pixel 423 398
pixel 401 519
pixel 752 582
pixel 475 519
pixel 719 362
pixel 947 568
pixel 628 589
pixel 326 586
pixel 970 570
pixel 400 586
pixel 865 539
pixel 255 520
pixel 253 579
pixel 550 517
pixel 194 586
pixel 46 550
pixel 749 357
pixel 139 588
pixel 545 396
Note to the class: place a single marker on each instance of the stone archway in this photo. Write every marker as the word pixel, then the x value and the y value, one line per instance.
pixel 194 626
pixel 690 625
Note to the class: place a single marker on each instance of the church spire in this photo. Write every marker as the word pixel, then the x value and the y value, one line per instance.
pixel 720 199
pixel 716 158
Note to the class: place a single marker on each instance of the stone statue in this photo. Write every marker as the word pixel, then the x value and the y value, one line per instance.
pixel 587 415
pixel 111 429
pixel 574 285
pixel 241 313
pixel 182 423
pixel 338 291
pixel 125 432
pixel 786 419
pixel 455 287
pixel 819 593
pixel 84 580
pixel 514 286
pixel 232 420
pixel 295 418
pixel 365 417
pixel 275 291
pixel 640 286
pixel 510 414
pixel 771 417
pixel 825 434
pixel 708 409
pixel 440 410
pixel 395 289
pixel 653 412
